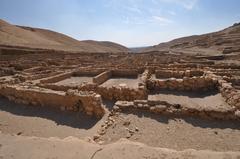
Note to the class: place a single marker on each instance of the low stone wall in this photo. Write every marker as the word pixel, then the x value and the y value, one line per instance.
pixel 56 78
pixel 163 107
pixel 76 73
pixel 40 76
pixel 55 87
pixel 234 80
pixel 231 95
pixel 186 84
pixel 9 80
pixel 145 76
pixel 35 69
pixel 87 72
pixel 82 87
pixel 122 93
pixel 101 78
pixel 125 73
pixel 7 71
pixel 177 73
pixel 90 103
pixel 113 93
pixel 49 83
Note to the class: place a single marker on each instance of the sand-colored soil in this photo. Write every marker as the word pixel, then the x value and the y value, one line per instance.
pixel 75 81
pixel 18 147
pixel 176 133
pixel 44 122
pixel 126 82
pixel 203 100
pixel 153 130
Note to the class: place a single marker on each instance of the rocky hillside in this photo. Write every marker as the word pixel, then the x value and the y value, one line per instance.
pixel 226 41
pixel 19 36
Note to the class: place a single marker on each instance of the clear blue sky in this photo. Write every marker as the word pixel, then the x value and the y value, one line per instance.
pixel 128 22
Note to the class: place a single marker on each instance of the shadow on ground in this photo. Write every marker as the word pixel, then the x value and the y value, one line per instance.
pixel 196 94
pixel 72 119
pixel 109 104
pixel 195 121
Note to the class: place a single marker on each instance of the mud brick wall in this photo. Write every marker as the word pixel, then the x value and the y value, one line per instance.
pixel 90 103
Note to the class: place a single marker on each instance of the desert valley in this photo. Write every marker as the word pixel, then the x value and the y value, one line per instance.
pixel 65 98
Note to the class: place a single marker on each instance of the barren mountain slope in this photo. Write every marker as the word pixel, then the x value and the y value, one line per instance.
pixel 12 35
pixel 226 41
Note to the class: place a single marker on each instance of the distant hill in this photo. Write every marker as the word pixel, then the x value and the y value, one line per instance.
pixel 226 41
pixel 137 49
pixel 21 36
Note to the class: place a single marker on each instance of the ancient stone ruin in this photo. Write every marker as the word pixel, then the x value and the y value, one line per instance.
pixel 179 99
pixel 84 87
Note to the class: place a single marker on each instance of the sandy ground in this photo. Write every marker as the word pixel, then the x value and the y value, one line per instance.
pixel 18 147
pixel 129 82
pixel 176 133
pixel 205 100
pixel 153 130
pixel 44 122
pixel 75 81
pixel 160 78
pixel 51 133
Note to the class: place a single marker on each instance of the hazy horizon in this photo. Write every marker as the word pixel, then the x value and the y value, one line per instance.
pixel 133 23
